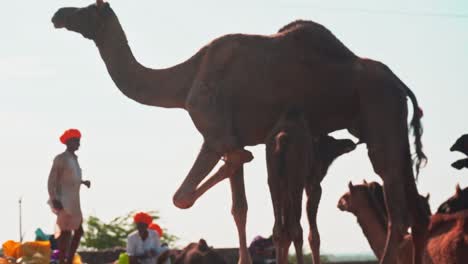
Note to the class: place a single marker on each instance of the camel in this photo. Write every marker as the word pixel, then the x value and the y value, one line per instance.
pixel 461 145
pixel 236 87
pixel 296 161
pixel 460 164
pixel 193 253
pixel 458 202
pixel 325 150
pixel 446 236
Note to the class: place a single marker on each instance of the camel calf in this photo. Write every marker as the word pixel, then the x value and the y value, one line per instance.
pixel 296 161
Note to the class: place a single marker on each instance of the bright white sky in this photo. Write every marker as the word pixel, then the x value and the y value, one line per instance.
pixel 136 156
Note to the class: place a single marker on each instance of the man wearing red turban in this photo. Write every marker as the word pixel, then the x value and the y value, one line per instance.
pixel 143 245
pixel 64 195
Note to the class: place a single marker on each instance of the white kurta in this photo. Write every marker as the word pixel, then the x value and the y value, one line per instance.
pixel 138 247
pixel 64 185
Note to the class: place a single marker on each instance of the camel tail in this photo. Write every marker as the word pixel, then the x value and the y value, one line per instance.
pixel 419 159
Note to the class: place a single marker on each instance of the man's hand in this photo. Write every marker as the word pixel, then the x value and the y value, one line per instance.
pixel 57 204
pixel 86 183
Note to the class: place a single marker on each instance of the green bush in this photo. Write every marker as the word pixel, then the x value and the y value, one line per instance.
pixel 99 235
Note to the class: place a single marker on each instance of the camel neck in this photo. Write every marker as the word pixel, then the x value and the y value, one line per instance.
pixel 374 232
pixel 164 88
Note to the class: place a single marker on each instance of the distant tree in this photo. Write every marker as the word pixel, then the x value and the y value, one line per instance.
pixel 100 235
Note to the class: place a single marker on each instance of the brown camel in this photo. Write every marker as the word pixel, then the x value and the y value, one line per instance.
pixel 458 202
pixel 236 87
pixel 461 145
pixel 296 161
pixel 193 253
pixel 446 236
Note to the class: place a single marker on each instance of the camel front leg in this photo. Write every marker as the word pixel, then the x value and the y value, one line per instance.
pixel 239 211
pixel 190 190
pixel 205 162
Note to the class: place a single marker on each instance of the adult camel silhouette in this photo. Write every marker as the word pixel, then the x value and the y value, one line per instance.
pixel 236 87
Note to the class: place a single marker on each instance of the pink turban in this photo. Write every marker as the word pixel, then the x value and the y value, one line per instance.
pixel 142 217
pixel 70 133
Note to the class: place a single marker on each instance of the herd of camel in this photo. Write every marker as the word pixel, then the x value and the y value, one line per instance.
pixel 289 90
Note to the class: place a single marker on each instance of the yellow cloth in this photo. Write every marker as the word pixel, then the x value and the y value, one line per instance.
pixel 34 252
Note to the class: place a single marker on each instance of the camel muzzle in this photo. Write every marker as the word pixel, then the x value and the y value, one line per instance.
pixel 60 17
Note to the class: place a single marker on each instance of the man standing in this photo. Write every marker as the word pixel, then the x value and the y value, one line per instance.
pixel 64 196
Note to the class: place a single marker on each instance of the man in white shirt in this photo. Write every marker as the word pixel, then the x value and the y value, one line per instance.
pixel 64 195
pixel 143 245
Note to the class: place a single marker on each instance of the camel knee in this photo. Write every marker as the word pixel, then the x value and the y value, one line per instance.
pixel 183 199
pixel 238 157
pixel 296 234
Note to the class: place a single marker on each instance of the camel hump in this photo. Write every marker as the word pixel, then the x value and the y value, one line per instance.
pixel 300 23
pixel 317 37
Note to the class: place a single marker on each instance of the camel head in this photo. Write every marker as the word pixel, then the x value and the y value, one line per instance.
pixel 371 195
pixel 461 144
pixel 357 197
pixel 458 202
pixel 330 148
pixel 88 21
pixel 198 253
pixel 460 164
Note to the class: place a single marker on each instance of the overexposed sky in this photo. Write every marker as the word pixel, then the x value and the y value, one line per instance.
pixel 136 156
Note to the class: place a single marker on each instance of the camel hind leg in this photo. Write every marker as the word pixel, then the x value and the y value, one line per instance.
pixel 274 163
pixel 384 121
pixel 287 154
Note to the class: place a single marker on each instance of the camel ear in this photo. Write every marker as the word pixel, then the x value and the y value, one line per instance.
pixel 202 245
pixel 350 186
pixel 99 3
pixel 364 181
pixel 457 190
pixel 428 196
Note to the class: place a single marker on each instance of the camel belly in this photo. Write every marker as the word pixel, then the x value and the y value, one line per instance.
pixel 330 103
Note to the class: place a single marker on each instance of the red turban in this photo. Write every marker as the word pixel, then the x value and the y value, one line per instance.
pixel 156 228
pixel 70 133
pixel 142 218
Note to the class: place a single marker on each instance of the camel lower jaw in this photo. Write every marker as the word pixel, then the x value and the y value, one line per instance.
pixel 58 24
